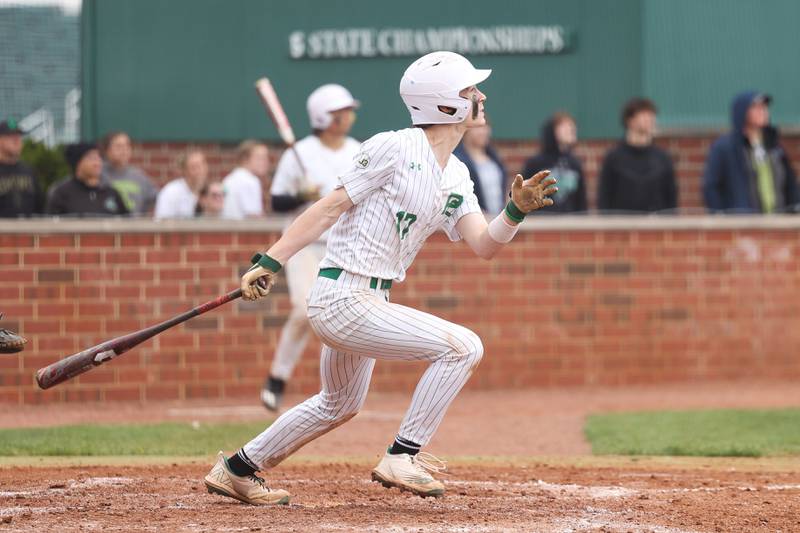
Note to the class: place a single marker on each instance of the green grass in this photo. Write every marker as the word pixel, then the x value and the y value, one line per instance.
pixel 171 438
pixel 712 433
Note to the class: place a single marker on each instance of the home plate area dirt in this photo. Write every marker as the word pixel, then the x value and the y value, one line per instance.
pixel 340 497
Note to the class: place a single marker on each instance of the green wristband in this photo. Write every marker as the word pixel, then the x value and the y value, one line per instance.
pixel 513 212
pixel 265 261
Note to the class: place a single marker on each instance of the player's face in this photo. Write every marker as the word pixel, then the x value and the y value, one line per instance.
pixel 343 120
pixel 119 150
pixel 478 98
pixel 11 146
pixel 478 136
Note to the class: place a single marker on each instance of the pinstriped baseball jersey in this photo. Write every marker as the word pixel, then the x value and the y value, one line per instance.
pixel 401 196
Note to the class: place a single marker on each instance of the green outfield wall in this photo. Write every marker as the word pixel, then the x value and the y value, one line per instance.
pixel 184 69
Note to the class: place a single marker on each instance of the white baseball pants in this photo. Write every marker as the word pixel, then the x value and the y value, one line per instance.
pixel 357 326
pixel 301 272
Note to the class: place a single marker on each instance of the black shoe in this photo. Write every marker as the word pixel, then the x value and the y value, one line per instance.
pixel 272 393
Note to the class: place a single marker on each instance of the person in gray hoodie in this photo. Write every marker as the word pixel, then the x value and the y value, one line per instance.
pixel 136 189
pixel 747 170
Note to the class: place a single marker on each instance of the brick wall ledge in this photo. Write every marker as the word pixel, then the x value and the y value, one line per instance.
pixel 276 223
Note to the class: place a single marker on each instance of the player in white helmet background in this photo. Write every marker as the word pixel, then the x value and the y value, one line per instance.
pixel 402 187
pixel 303 176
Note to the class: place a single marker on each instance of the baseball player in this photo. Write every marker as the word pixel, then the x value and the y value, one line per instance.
pixel 301 177
pixel 403 186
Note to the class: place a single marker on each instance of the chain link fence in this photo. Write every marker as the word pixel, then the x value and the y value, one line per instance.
pixel 40 67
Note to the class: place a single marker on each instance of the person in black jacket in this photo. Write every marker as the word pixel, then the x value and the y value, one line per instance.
pixel 485 168
pixel 636 175
pixel 84 193
pixel 559 135
pixel 20 194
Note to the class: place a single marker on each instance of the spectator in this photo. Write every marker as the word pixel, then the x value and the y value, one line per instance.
pixel 178 198
pixel 84 193
pixel 132 184
pixel 20 194
pixel 747 170
pixel 211 201
pixel 637 175
pixel 485 168
pixel 243 192
pixel 559 135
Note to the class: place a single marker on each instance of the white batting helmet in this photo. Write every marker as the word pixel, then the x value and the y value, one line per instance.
pixel 329 97
pixel 435 80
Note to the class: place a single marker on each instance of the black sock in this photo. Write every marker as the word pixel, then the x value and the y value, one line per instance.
pixel 402 445
pixel 239 466
pixel 275 385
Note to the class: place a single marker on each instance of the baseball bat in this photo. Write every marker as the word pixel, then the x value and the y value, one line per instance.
pixel 81 362
pixel 275 111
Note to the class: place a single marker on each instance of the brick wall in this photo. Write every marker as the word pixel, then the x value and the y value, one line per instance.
pixel 571 302
pixel 688 153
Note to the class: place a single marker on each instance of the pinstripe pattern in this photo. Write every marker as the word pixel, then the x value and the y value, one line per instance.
pixel 400 196
pixel 358 325
pixel 401 174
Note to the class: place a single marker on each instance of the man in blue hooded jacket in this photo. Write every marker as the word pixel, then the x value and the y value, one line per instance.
pixel 747 170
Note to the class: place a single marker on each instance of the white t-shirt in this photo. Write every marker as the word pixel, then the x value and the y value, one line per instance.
pixel 400 196
pixel 323 166
pixel 243 197
pixel 175 200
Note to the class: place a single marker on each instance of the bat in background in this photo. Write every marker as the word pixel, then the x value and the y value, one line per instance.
pixel 81 362
pixel 275 110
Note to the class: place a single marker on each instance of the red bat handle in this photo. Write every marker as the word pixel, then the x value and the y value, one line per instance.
pixel 81 362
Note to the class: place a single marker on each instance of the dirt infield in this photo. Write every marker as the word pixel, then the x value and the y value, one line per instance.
pixel 339 497
pixel 521 464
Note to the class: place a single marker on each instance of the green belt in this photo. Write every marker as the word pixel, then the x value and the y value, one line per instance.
pixel 334 273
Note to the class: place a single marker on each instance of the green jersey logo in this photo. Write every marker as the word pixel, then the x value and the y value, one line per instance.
pixel 454 201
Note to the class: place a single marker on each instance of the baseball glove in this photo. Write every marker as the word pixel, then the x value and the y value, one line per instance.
pixel 10 342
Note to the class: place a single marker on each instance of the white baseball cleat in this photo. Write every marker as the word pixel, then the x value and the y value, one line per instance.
pixel 411 473
pixel 248 489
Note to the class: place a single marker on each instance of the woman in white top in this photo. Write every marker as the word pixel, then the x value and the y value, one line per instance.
pixel 178 198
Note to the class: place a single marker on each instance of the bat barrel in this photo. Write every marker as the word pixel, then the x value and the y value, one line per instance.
pixel 71 366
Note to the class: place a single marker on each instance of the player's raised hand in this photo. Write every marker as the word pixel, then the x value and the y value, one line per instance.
pixel 534 193
pixel 257 282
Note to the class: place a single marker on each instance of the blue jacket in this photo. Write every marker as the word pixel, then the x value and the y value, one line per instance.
pixel 461 153
pixel 729 181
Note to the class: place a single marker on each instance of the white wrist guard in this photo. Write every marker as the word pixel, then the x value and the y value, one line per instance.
pixel 501 231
